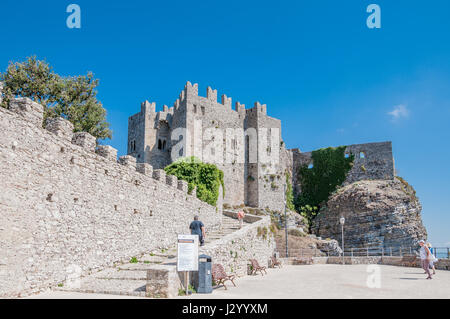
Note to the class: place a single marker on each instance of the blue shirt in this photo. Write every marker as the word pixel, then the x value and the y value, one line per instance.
pixel 196 228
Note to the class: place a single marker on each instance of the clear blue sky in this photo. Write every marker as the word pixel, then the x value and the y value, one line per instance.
pixel 330 79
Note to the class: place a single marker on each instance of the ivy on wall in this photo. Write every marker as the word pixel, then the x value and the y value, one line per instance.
pixel 329 170
pixel 206 177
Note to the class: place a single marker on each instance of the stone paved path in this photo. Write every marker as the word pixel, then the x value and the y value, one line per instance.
pixel 318 281
pixel 335 282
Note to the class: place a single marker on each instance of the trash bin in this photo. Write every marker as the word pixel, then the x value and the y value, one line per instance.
pixel 204 281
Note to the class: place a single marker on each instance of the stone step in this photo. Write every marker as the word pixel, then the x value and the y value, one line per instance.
pixel 125 274
pixel 110 286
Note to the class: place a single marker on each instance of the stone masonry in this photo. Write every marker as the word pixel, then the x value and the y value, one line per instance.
pixel 65 208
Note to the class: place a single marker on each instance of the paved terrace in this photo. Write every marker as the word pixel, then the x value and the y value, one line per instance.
pixel 321 281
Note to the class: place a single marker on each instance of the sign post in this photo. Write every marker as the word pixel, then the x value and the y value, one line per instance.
pixel 187 253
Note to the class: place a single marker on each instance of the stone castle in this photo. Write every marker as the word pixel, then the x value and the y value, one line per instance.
pixel 257 183
pixel 69 205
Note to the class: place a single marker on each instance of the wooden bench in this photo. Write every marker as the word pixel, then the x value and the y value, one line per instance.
pixel 275 262
pixel 219 276
pixel 409 261
pixel 256 267
pixel 303 261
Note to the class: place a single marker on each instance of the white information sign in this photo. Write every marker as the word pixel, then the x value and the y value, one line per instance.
pixel 187 253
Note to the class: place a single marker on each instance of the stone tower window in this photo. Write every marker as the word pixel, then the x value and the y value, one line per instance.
pixel 203 110
pixel 247 148
pixel 233 144
pixel 164 145
pixel 362 155
pixel 195 108
pixel 159 144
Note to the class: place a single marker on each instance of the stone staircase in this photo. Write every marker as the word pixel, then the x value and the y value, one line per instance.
pixel 130 278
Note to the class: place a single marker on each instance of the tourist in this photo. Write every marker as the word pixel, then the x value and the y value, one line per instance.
pixel 433 258
pixel 240 217
pixel 197 228
pixel 425 257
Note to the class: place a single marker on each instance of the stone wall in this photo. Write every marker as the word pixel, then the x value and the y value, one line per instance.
pixel 442 264
pixel 65 207
pixel 233 251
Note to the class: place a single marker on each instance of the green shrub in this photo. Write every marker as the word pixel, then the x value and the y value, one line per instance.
pixel 206 177
pixel 134 260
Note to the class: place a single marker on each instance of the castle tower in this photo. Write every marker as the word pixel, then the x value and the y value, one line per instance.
pixel 236 140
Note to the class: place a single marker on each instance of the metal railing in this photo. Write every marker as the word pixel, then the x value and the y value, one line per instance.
pixel 439 252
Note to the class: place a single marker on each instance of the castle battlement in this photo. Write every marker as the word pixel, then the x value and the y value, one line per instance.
pixel 83 147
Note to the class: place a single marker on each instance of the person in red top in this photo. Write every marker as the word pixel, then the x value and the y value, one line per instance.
pixel 240 217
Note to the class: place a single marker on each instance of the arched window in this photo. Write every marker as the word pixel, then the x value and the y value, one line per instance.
pixel 159 144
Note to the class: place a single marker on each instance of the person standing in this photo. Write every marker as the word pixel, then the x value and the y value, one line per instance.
pixel 433 258
pixel 198 228
pixel 240 217
pixel 425 257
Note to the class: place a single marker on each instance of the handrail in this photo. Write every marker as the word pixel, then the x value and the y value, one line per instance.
pixel 383 251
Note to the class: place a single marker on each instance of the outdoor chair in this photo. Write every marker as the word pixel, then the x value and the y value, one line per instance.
pixel 256 267
pixel 275 262
pixel 219 276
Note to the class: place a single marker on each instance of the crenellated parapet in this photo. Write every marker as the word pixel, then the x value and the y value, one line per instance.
pixel 62 130
pixel 211 94
pixel 30 110
pixel 107 151
pixel 159 175
pixel 85 140
pixel 60 127
pixel 128 160
pixel 226 101
pixel 145 168
pixel 147 107
pixel 240 108
pixel 190 90
pixel 172 181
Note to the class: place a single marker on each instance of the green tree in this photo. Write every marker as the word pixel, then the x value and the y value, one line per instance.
pixel 77 102
pixel 74 97
pixel 33 79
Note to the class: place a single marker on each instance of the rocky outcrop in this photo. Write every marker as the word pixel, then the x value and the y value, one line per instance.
pixel 377 213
